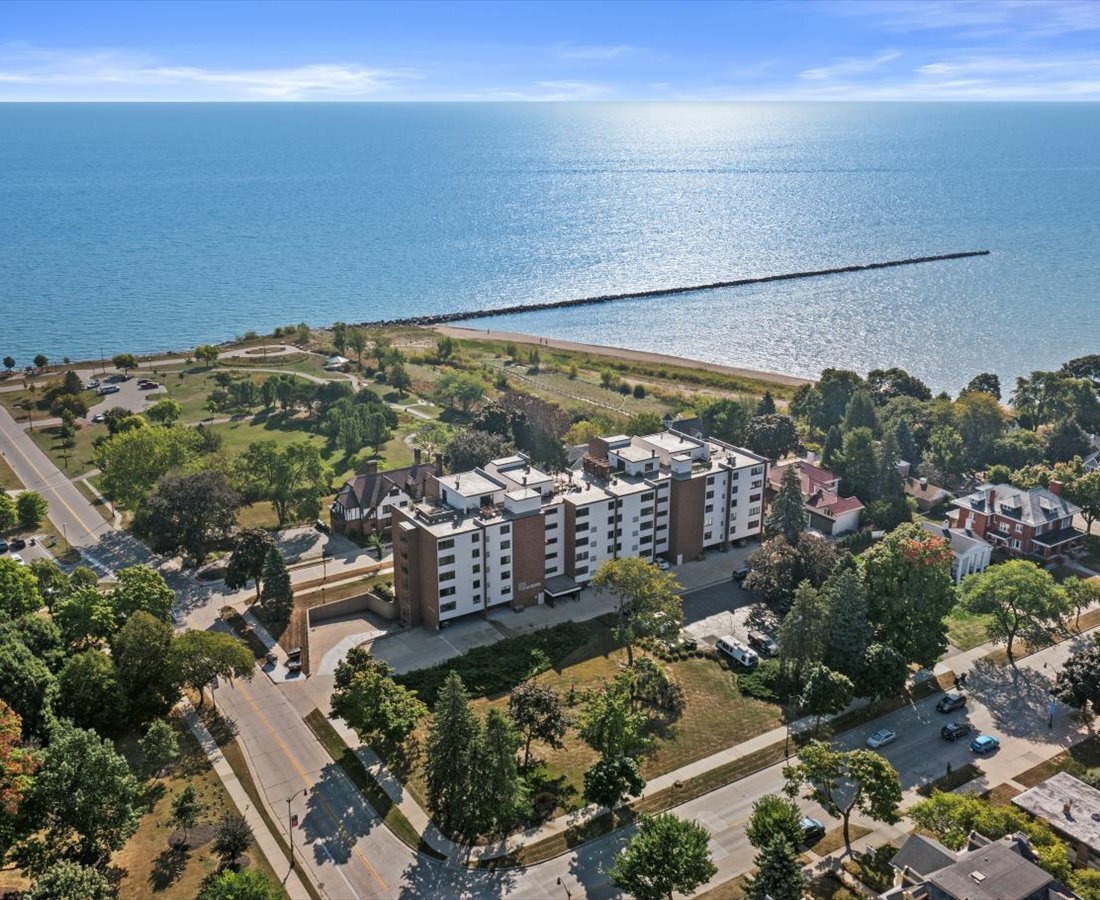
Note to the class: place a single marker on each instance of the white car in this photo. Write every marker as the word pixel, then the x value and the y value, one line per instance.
pixel 18 560
pixel 99 417
pixel 663 564
pixel 881 738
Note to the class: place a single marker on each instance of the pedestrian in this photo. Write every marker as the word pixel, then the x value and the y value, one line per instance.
pixel 962 680
pixel 1051 710
pixel 956 682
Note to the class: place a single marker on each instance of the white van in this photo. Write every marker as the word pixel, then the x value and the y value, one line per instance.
pixel 738 652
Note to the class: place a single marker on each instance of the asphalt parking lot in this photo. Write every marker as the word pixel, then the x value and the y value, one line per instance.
pixel 725 608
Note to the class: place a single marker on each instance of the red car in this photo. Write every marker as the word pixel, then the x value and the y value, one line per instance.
pixel 147 385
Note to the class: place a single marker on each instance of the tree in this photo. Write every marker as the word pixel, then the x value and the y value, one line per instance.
pixel 846 781
pixel 132 461
pixel 1024 600
pixel 66 440
pixel 448 764
pixel 650 604
pixel 9 363
pixel 860 412
pixel 802 633
pixel 140 650
pixel 886 384
pixel 17 765
pixel 787 515
pixel 124 361
pixel 984 383
pixel 31 508
pixel 233 838
pixel 277 596
pixel 495 777
pixel 883 673
pixel 910 590
pixel 141 589
pixel 472 449
pixel 1078 683
pixel 188 514
pixel 202 656
pixel 372 703
pixel 858 465
pixel 165 411
pixel 398 378
pixel 8 515
pixel 766 406
pixel 88 692
pixel 826 692
pixel 609 724
pixel 19 594
pixel 771 436
pixel 357 341
pixel 725 419
pixel 778 872
pixel 186 810
pixel 907 447
pixel 643 423
pixel 380 346
pixel 830 450
pixel 1085 492
pixel 460 389
pixel 207 353
pixel 41 361
pixel 847 632
pixel 665 856
pixel 774 816
pixel 159 746
pixel 26 685
pixel 945 457
pixel 293 478
pixel 777 568
pixel 250 550
pixel 84 800
pixel 250 884
pixel 1080 594
pixel 71 881
pixel 611 779
pixel 833 391
pixel 981 422
pixel 1065 440
pixel 85 618
pixel 69 406
pixel 444 347
pixel 537 713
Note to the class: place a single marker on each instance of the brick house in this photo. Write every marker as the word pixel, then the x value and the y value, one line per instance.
pixel 364 505
pixel 1036 523
pixel 826 511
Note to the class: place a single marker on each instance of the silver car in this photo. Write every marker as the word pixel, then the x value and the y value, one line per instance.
pixel 881 738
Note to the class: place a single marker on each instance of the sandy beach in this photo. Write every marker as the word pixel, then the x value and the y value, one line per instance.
pixel 617 352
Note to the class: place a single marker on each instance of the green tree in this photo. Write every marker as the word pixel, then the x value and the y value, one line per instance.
pixel 538 714
pixel 772 436
pixel 159 747
pixel 292 478
pixel 945 457
pixel 787 515
pixel 1080 594
pixel 766 406
pixel 650 605
pixel 461 390
pixel 8 515
pixel 186 810
pixel 833 389
pixel 41 636
pixel 9 363
pixel 201 656
pixel 26 685
pixel 165 411
pixel 826 692
pixel 887 384
pixel 802 633
pixel 1024 601
pixel 251 884
pixel 40 361
pixel 372 703
pixel 357 341
pixel 777 568
pixel 277 596
pixel 190 514
pixel 1078 683
pixel 19 594
pixel 609 724
pixel 858 464
pixel 494 774
pixel 124 361
pixel 380 348
pixel 667 855
pixel 85 618
pixel 69 407
pixel 1065 440
pixel 830 450
pixel 860 412
pixel 232 839
pixel 471 449
pixel 846 629
pixel 31 507
pixel 84 800
pixel 883 673
pixel 907 446
pixel 726 419
pixel 398 378
pixel 981 422
pixel 1085 492
pixel 88 692
pixel 910 590
pixel 140 650
pixel 448 764
pixel 774 816
pixel 141 589
pixel 985 383
pixel 250 550
pixel 444 347
pixel 643 423
pixel 778 872
pixel 208 354
pixel 132 461
pixel 71 881
pixel 611 779
pixel 844 782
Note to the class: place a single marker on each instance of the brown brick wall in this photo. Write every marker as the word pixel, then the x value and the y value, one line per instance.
pixel 528 555
pixel 685 527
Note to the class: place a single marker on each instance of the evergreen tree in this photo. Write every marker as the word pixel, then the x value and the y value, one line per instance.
pixel 889 478
pixel 858 465
pixel 787 516
pixel 766 406
pixel 907 446
pixel 277 595
pixel 778 872
pixel 834 440
pixel 250 551
pixel 495 776
pixel 454 732
pixel 860 412
pixel 802 634
pixel 847 632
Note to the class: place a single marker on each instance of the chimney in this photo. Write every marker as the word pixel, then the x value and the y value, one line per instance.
pixel 990 496
pixel 416 456
pixel 1055 487
pixel 946 526
pixel 811 457
pixel 372 467
pixel 437 461
pixel 923 483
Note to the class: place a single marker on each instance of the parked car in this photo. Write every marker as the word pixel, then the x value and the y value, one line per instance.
pixel 3 546
pixel 984 743
pixel 663 564
pixel 881 738
pixel 294 665
pixel 270 658
pixel 17 543
pixel 952 731
pixel 951 701
pixel 294 653
pixel 147 386
pixel 92 385
pixel 740 574
pixel 321 526
pixel 812 829
pixel 108 389
pixel 764 643
pixel 18 560
pixel 738 652
pixel 99 417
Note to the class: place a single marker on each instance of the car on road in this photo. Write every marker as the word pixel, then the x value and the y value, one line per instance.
pixel 812 829
pixel 984 743
pixel 3 546
pixel 952 731
pixel 18 560
pixel 17 543
pixel 178 616
pixel 733 649
pixel 663 564
pixel 741 573
pixel 147 386
pixel 881 738
pixel 92 385
pixel 951 701
pixel 763 643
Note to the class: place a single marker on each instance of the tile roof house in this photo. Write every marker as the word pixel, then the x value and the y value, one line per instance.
pixel 363 505
pixel 826 510
pixel 1036 523
pixel 971 553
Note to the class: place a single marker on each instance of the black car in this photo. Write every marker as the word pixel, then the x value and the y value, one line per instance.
pixel 17 544
pixel 952 731
pixel 294 653
pixel 3 546
pixel 951 701
pixel 322 526
pixel 764 643
pixel 741 574
pixel 294 665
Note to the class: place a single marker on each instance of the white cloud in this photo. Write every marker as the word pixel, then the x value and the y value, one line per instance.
pixel 594 52
pixel 1020 18
pixel 843 68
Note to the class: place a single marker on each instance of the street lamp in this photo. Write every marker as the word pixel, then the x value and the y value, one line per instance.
pixel 292 823
pixel 568 893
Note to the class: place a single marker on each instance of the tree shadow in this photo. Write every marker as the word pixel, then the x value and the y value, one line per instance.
pixel 426 877
pixel 336 817
pixel 169 866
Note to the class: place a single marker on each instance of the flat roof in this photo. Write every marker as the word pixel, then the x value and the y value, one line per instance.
pixel 1048 799
pixel 670 442
pixel 522 494
pixel 470 484
pixel 993 872
pixel 634 454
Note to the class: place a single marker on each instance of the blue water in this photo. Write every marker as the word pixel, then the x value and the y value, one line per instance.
pixel 156 226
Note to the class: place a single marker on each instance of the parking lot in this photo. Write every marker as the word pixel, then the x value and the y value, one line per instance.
pixel 711 612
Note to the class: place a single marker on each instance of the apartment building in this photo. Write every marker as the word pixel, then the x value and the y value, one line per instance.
pixel 510 534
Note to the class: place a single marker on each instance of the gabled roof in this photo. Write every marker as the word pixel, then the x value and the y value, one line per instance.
pixel 367 491
pixel 1035 507
pixel 816 485
pixel 961 543
pixel 922 855
pixel 994 872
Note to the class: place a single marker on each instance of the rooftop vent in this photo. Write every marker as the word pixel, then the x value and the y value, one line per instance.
pixel 978 877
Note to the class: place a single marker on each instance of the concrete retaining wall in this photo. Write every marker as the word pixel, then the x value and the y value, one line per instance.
pixel 367 602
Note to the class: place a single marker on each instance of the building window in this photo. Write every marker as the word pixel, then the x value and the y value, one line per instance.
pixel 710 479
pixel 550 526
pixel 550 541
pixel 448 607
pixel 447 544
pixel 708 508
pixel 582 542
pixel 505 576
pixel 1003 526
pixel 647 510
pixel 581 513
pixel 477 568
pixel 754 510
pixel 581 570
pixel 507 589
pixel 476 552
pixel 755 498
pixel 754 524
pixel 662 527
pixel 646 539
pixel 710 495
pixel 582 526
pixel 447 576
pixel 447 560
pixel 1015 544
pixel 582 554
pixel 505 529
pixel 708 536
pixel 646 498
pixel 551 556
pixel 477 582
pixel 448 592
pixel 1019 529
pixel 504 560
pixel 504 545
pixel 757 470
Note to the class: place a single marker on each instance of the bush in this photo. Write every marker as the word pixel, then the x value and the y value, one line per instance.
pixel 497 668
pixel 639 392
pixel 765 682
pixel 857 541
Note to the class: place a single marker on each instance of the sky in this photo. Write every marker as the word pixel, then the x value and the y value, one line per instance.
pixel 550 51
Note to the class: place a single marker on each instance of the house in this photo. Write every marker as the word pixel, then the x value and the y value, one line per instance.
pixel 1036 523
pixel 364 505
pixel 1072 809
pixel 927 495
pixel 826 511
pixel 1006 869
pixel 971 553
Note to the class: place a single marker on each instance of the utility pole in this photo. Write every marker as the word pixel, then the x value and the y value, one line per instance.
pixel 292 823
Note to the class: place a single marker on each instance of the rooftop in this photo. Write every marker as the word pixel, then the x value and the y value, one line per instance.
pixel 1035 507
pixel 470 484
pixel 960 541
pixel 922 855
pixel 993 872
pixel 1048 799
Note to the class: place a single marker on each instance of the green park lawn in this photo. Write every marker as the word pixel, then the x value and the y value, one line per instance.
pixel 8 481
pixel 967 630
pixel 79 459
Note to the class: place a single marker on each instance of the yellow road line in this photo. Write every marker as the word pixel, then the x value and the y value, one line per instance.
pixel 310 784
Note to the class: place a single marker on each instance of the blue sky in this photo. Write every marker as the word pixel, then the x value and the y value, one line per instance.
pixel 781 50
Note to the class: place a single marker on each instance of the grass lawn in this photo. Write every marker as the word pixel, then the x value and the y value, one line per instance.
pixel 8 481
pixel 1078 758
pixel 79 458
pixel 150 868
pixel 1092 556
pixel 967 630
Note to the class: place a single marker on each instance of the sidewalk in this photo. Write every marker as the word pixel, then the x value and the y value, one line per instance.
pixel 264 839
